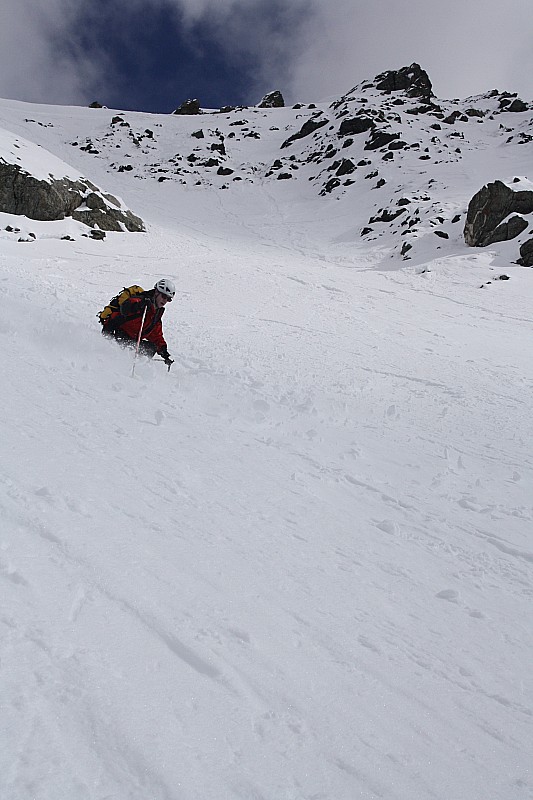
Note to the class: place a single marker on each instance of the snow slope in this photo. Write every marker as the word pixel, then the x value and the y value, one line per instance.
pixel 298 566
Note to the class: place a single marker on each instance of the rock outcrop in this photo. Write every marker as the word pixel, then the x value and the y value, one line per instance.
pixel 307 129
pixel 487 211
pixel 188 108
pixel 23 194
pixel 413 80
pixel 526 254
pixel 272 100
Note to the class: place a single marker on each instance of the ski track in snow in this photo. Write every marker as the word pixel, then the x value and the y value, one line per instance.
pixel 296 567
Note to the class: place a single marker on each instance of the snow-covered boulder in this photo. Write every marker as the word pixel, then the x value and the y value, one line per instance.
pixel 488 210
pixel 38 185
pixel 413 80
pixel 526 254
pixel 272 100
pixel 188 108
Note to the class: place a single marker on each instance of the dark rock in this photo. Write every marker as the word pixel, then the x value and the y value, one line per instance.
pixel 474 112
pixel 98 235
pixel 386 215
pixel 509 230
pixel 517 106
pixel 21 193
pixel 366 231
pixel 189 108
pixel 356 125
pixel 96 104
pixel 526 254
pixel 110 219
pixel 380 139
pixel 427 108
pixel 272 100
pixel 413 80
pixel 345 168
pixel 198 134
pixel 116 119
pixel 284 176
pixel 487 210
pixel 442 234
pixel 330 185
pixel 210 162
pixel 307 128
pixel 218 147
pixel 224 171
pixel 454 116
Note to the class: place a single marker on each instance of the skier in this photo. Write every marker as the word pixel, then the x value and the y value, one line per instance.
pixel 124 324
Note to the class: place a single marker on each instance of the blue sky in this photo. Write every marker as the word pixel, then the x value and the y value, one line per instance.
pixel 152 54
pixel 156 62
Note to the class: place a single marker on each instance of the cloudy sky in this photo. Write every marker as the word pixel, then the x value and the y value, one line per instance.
pixel 152 54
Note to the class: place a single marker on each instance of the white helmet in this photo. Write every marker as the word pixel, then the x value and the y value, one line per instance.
pixel 166 287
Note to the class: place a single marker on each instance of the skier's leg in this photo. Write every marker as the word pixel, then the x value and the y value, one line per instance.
pixel 147 349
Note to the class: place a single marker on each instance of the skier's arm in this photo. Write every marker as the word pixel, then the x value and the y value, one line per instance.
pixel 156 337
pixel 133 308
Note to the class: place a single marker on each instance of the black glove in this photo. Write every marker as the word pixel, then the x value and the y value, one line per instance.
pixel 165 355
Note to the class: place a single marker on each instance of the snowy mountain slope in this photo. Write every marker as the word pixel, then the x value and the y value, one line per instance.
pixel 299 564
pixel 434 157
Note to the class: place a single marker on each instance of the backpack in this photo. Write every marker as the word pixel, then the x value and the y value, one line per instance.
pixel 116 302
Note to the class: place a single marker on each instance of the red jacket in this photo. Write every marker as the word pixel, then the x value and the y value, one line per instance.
pixel 129 318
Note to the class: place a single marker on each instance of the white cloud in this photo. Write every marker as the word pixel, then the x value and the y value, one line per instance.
pixel 466 46
pixel 310 49
pixel 32 66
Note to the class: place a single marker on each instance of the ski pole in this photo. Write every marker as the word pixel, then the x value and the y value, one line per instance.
pixel 138 343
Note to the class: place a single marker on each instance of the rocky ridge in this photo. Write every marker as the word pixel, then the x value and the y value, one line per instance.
pixel 25 190
pixel 388 142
